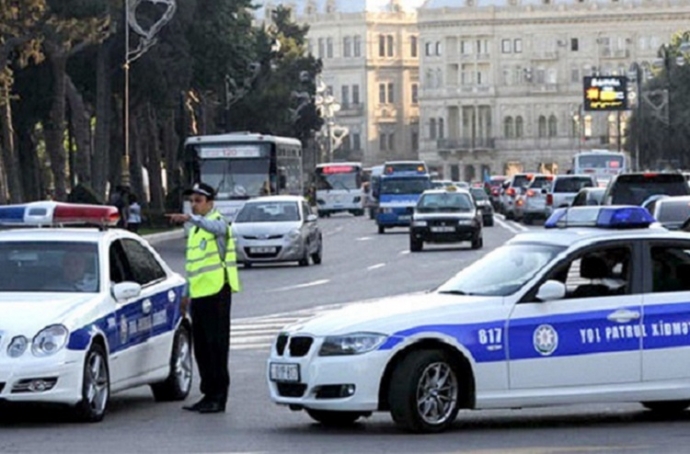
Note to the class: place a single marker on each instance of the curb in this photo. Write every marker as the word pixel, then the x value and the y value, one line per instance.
pixel 164 236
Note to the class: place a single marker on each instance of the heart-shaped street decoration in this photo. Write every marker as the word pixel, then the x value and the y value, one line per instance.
pixel 152 31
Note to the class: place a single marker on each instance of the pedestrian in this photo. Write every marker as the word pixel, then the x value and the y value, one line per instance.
pixel 134 219
pixel 212 278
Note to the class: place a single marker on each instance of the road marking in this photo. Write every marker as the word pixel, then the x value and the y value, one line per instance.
pixel 506 226
pixel 519 226
pixel 364 238
pixel 378 265
pixel 404 252
pixel 305 285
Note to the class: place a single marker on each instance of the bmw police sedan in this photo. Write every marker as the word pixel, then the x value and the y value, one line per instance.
pixel 86 312
pixel 593 309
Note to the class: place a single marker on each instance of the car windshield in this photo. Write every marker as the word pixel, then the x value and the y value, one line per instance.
pixel 479 194
pixel 49 266
pixel 573 184
pixel 444 201
pixel 503 271
pixel 268 212
pixel 404 185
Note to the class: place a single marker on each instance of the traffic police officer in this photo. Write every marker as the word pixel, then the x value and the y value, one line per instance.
pixel 212 277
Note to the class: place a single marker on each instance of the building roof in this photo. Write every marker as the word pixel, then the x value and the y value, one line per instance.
pixel 344 6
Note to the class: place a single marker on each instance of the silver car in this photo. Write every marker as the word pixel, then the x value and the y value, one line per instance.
pixel 277 229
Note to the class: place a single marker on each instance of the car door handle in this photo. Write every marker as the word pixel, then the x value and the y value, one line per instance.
pixel 146 306
pixel 623 316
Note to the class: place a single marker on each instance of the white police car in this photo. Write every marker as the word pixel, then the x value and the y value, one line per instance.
pixel 595 310
pixel 86 312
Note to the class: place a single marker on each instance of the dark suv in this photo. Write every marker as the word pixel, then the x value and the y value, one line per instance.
pixel 635 188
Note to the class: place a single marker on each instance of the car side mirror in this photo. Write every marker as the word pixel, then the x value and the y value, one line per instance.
pixel 551 290
pixel 124 291
pixel 312 218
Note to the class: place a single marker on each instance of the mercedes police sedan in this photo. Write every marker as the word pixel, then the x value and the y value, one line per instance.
pixel 86 312
pixel 592 309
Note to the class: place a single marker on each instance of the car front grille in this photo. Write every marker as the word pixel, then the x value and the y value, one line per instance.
pixel 263 237
pixel 291 389
pixel 254 255
pixel 281 342
pixel 442 222
pixel 297 346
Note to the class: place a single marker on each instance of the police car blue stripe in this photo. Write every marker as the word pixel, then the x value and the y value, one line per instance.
pixel 582 333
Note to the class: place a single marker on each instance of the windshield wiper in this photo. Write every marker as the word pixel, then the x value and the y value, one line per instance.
pixel 456 292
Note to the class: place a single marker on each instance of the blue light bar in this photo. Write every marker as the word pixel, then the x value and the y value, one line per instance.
pixel 606 217
pixel 12 214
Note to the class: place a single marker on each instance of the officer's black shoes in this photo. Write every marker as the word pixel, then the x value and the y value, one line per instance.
pixel 211 406
pixel 196 406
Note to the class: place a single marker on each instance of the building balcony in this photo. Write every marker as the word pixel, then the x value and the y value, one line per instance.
pixel 386 113
pixel 545 55
pixel 607 52
pixel 466 144
pixel 544 88
pixel 351 110
pixel 537 143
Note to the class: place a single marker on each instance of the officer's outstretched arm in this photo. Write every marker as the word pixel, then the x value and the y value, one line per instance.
pixel 218 227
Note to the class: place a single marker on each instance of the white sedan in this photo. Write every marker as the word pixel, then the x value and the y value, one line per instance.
pixel 86 312
pixel 593 309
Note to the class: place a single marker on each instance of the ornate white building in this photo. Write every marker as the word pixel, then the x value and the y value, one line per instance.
pixel 501 80
pixel 370 55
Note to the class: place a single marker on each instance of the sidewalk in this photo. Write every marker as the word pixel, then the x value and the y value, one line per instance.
pixel 164 236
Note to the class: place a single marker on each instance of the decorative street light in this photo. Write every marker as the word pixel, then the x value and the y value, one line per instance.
pixel 147 39
pixel 328 106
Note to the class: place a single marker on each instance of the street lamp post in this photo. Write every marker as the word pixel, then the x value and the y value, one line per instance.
pixel 638 73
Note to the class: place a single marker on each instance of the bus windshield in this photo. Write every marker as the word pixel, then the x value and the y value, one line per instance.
pixel 338 177
pixel 237 178
pixel 404 185
pixel 600 161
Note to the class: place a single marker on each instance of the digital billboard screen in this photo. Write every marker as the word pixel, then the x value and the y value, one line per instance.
pixel 605 93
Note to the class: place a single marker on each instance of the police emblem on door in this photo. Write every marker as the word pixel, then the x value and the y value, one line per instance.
pixel 124 333
pixel 202 245
pixel 545 340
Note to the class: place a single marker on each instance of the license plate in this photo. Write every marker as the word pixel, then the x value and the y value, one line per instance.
pixel 284 372
pixel 443 229
pixel 405 218
pixel 262 250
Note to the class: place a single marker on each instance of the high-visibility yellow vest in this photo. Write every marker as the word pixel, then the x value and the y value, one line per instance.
pixel 206 271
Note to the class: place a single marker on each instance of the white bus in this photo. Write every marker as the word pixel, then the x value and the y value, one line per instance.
pixel 603 164
pixel 339 188
pixel 241 166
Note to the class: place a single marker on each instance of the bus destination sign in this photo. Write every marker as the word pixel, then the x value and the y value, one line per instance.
pixel 230 151
pixel 605 93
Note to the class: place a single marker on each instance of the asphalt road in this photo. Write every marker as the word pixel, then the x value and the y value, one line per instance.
pixel 358 265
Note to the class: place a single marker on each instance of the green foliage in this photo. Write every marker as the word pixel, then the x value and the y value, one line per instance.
pixel 83 193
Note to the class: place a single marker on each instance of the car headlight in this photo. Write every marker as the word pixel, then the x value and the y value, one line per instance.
pixel 465 222
pixel 294 234
pixel 50 340
pixel 17 347
pixel 419 224
pixel 351 344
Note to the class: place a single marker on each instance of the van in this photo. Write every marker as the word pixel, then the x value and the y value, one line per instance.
pixel 635 188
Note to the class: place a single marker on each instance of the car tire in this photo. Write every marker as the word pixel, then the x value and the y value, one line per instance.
pixel 179 382
pixel 382 229
pixel 321 214
pixel 489 221
pixel 334 418
pixel 478 242
pixel 668 407
pixel 418 374
pixel 317 256
pixel 358 213
pixel 95 388
pixel 372 215
pixel 304 261
pixel 527 220
pixel 416 245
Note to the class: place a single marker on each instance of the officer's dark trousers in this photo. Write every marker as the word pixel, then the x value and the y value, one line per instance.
pixel 211 337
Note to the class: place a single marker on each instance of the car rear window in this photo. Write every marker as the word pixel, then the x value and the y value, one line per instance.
pixel 634 189
pixel 541 182
pixel 573 184
pixel 520 181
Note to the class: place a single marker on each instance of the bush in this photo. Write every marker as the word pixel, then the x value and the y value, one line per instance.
pixel 83 193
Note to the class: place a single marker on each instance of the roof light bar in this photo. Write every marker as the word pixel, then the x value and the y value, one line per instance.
pixel 607 217
pixel 56 213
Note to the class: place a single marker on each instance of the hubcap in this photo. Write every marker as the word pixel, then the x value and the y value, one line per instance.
pixel 437 393
pixel 97 383
pixel 183 363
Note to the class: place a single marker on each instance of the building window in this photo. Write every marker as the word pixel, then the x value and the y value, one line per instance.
pixel 438 48
pixel 391 93
pixel 441 127
pixel 322 47
pixel 465 48
pixel 506 46
pixel 427 48
pixel 517 46
pixel 382 46
pixel 347 145
pixel 356 141
pixel 382 142
pixel 519 127
pixel 413 46
pixel 329 48
pixel 355 94
pixel 415 141
pixel 553 126
pixel 391 141
pixel 345 96
pixel 432 129
pixel 574 75
pixel 390 43
pixel 415 93
pixel 358 46
pixel 542 126
pixel 574 44
pixel 508 128
pixel 329 90
pixel 347 47
pixel 382 93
